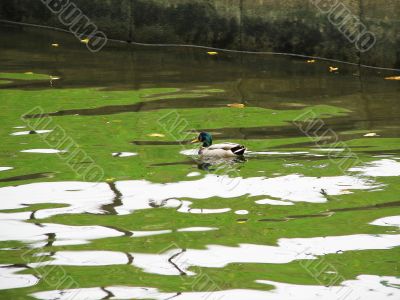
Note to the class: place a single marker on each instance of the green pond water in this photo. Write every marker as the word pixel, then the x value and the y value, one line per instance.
pixel 311 212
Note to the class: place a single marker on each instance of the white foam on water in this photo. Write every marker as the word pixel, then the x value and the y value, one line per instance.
pixel 193 174
pixel 287 250
pixel 294 165
pixel 366 287
pixel 149 233
pixel 14 228
pixel 137 194
pixel 242 212
pixel 387 221
pixel 276 153
pixel 29 132
pixel 81 197
pixel 85 258
pixel 185 208
pixel 119 292
pixel 174 261
pixel 207 210
pixel 273 202
pixel 330 149
pixel 44 151
pixel 383 167
pixel 124 154
pixel 10 279
pixel 5 168
pixel 196 229
pixel 86 197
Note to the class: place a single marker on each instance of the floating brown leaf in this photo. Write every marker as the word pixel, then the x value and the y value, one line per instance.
pixel 236 105
pixel 393 78
pixel 156 135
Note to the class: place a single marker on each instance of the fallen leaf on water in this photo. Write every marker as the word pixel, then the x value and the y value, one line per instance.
pixel 241 221
pixel 212 53
pixel 371 134
pixel 333 69
pixel 85 41
pixel 311 61
pixel 55 45
pixel 156 135
pixel 295 104
pixel 28 73
pixel 393 78
pixel 236 105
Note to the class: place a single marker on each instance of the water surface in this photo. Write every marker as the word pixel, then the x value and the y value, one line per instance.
pixel 303 216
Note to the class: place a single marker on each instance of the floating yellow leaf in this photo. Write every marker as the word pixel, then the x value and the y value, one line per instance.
pixel 85 41
pixel 311 61
pixel 241 221
pixel 28 73
pixel 212 53
pixel 333 69
pixel 55 45
pixel 393 78
pixel 156 135
pixel 236 105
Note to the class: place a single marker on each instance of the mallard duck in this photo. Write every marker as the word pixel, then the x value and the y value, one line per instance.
pixel 217 150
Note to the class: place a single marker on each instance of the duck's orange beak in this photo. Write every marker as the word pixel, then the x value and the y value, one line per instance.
pixel 196 140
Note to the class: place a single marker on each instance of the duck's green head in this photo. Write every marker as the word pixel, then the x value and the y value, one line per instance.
pixel 204 138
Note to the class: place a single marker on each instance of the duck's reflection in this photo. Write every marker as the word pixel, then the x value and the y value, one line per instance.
pixel 213 164
pixel 209 164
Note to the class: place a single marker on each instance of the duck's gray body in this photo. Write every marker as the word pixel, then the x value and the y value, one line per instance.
pixel 223 150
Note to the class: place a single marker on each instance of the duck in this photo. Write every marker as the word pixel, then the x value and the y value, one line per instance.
pixel 224 150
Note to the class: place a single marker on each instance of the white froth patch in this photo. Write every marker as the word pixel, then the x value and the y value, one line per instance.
pixel 383 167
pixel 242 212
pixel 11 279
pixel 45 151
pixel 5 168
pixel 387 221
pixel 366 287
pixel 273 202
pixel 124 154
pixel 29 132
pixel 218 256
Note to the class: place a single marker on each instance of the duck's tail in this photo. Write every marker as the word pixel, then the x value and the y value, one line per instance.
pixel 239 150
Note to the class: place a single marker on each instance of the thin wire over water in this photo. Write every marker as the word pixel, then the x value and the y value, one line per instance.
pixel 211 48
